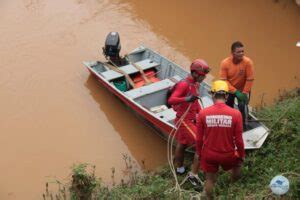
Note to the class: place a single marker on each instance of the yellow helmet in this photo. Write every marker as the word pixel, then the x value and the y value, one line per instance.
pixel 219 86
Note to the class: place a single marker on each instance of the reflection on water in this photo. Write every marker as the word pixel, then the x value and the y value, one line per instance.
pixel 53 114
pixel 206 29
pixel 136 135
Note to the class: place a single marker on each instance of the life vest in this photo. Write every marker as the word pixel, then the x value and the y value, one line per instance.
pixel 139 81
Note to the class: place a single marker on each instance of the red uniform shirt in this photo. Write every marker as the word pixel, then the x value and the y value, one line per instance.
pixel 220 128
pixel 177 98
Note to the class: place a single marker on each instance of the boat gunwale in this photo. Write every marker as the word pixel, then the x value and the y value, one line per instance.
pixel 206 86
pixel 131 100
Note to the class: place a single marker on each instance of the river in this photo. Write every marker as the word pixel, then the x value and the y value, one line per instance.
pixel 54 114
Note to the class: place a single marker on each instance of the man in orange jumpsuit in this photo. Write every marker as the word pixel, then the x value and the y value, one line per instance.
pixel 219 138
pixel 237 70
pixel 184 100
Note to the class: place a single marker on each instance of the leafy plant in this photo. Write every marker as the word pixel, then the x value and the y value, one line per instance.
pixel 279 155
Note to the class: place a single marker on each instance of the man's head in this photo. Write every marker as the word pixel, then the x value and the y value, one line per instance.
pixel 219 90
pixel 237 51
pixel 199 69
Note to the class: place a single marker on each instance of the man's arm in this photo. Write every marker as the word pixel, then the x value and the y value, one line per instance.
pixel 249 77
pixel 178 95
pixel 200 133
pixel 223 74
pixel 238 135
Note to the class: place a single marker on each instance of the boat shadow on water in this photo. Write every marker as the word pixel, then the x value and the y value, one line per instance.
pixel 143 144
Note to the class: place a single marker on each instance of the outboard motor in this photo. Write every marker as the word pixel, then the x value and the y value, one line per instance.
pixel 112 45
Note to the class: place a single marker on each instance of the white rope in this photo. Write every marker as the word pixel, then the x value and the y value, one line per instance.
pixel 171 138
pixel 170 152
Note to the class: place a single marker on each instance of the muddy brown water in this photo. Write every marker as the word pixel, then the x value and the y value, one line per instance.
pixel 53 114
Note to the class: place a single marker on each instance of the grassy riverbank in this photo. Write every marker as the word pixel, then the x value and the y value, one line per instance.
pixel 279 155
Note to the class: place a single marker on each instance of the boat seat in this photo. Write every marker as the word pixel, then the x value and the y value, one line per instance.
pixel 148 89
pixel 166 115
pixel 129 69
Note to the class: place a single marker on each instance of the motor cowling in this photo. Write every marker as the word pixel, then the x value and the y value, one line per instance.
pixel 112 45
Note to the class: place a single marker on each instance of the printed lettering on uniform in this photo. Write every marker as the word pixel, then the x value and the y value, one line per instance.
pixel 218 121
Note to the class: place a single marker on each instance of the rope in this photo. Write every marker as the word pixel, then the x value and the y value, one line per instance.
pixel 140 70
pixel 170 152
pixel 171 138
pixel 115 68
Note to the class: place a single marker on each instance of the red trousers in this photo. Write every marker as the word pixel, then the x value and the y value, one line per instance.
pixel 186 132
pixel 211 160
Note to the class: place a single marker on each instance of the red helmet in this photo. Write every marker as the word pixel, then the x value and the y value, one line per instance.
pixel 200 66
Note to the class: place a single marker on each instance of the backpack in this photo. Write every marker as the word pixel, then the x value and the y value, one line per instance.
pixel 171 90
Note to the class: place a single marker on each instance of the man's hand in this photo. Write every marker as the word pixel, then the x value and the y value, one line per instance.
pixel 237 155
pixel 241 96
pixel 241 161
pixel 245 96
pixel 191 98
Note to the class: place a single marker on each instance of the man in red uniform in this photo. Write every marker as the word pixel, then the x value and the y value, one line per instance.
pixel 219 138
pixel 237 70
pixel 183 100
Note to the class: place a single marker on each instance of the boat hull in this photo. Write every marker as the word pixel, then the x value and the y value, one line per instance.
pixel 142 100
pixel 162 129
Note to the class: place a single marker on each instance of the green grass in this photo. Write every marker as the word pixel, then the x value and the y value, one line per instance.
pixel 279 155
